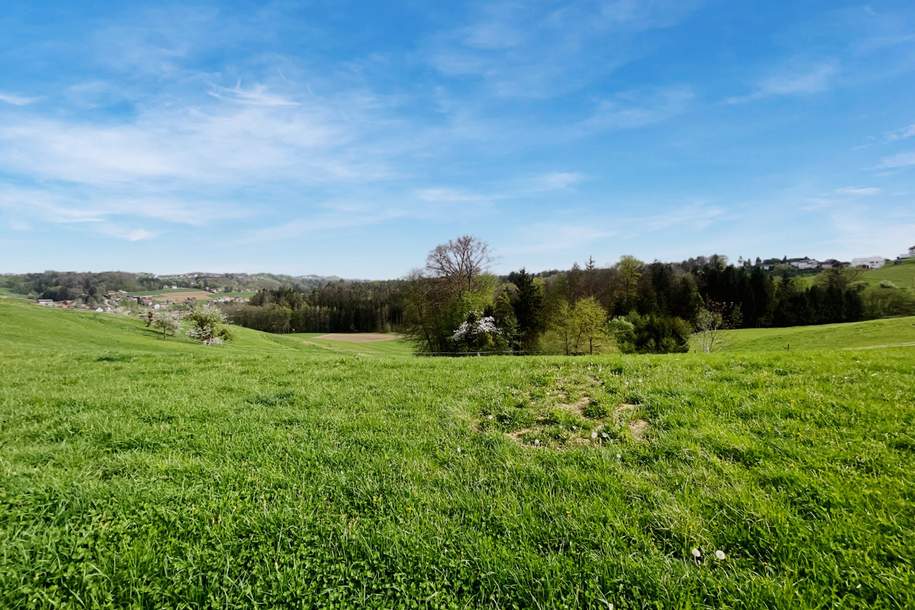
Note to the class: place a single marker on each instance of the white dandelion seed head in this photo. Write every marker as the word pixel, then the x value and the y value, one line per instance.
pixel 719 555
pixel 696 553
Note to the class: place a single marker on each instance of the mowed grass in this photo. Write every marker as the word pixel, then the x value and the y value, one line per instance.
pixel 136 471
pixel 872 334
pixel 394 346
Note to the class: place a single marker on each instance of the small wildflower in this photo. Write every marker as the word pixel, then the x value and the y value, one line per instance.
pixel 594 435
pixel 719 555
pixel 537 442
pixel 697 555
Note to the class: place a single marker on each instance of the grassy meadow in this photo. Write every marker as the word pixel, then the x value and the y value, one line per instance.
pixel 901 274
pixel 872 334
pixel 282 471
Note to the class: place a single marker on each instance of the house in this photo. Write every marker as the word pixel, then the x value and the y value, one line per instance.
pixel 803 263
pixel 868 262
pixel 831 263
pixel 46 302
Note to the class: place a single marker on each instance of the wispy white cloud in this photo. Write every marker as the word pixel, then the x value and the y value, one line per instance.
pixel 556 181
pixel 126 233
pixel 902 134
pixel 523 187
pixel 219 143
pixel 543 237
pixel 633 109
pixel 531 50
pixel 73 208
pixel 451 195
pixel 16 100
pixel 563 235
pixel 858 191
pixel 258 95
pixel 795 78
pixel 897 161
pixel 329 217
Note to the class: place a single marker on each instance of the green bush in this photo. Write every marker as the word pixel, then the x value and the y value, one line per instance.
pixel 651 334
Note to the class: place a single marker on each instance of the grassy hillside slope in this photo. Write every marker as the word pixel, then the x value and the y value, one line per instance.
pixel 159 473
pixel 873 334
pixel 902 274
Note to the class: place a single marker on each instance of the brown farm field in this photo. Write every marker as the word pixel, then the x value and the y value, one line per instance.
pixel 360 337
pixel 181 295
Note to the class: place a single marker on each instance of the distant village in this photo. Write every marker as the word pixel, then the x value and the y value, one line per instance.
pixel 121 301
pixel 811 264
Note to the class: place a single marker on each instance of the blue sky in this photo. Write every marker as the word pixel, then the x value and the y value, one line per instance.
pixel 350 138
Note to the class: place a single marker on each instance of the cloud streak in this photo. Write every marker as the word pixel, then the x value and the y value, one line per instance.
pixel 16 100
pixel 797 78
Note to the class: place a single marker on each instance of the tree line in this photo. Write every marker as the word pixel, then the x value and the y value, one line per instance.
pixel 338 306
pixel 453 304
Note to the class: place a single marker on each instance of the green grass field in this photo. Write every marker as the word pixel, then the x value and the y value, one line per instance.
pixel 873 334
pixel 275 472
pixel 902 274
pixel 394 347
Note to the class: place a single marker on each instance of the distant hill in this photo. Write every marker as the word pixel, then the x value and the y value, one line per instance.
pixel 73 285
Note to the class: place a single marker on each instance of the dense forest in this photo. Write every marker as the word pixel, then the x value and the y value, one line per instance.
pixel 338 306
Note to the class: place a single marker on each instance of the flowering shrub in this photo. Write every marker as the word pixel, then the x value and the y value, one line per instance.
pixel 207 325
pixel 165 322
pixel 478 333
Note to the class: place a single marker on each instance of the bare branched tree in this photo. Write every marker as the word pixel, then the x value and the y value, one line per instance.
pixel 461 261
pixel 714 318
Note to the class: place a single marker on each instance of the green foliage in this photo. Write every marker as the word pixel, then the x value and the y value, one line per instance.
pixel 885 301
pixel 528 305
pixel 651 334
pixel 589 320
pixel 207 325
pixel 165 322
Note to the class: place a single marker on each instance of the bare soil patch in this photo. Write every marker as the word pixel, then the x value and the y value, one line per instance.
pixel 638 428
pixel 178 297
pixel 359 337
pixel 578 406
pixel 623 410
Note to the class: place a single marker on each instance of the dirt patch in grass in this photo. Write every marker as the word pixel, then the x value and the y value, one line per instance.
pixel 578 407
pixel 359 337
pixel 624 410
pixel 638 428
pixel 563 411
